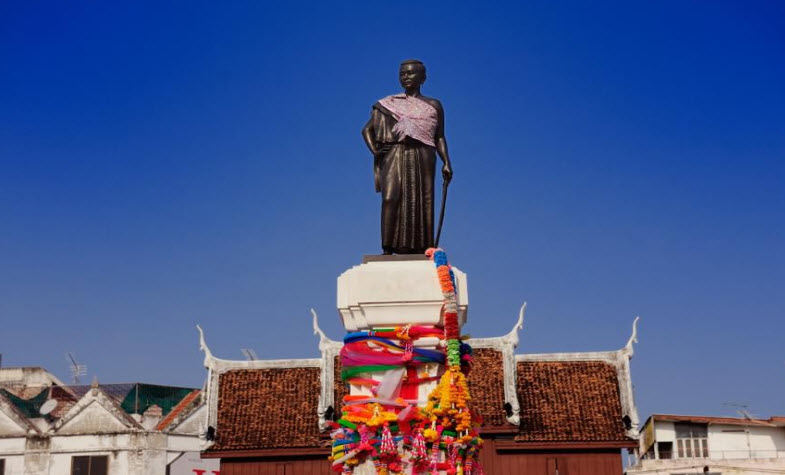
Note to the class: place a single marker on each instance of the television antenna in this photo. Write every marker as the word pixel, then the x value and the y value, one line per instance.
pixel 76 368
pixel 250 354
pixel 741 409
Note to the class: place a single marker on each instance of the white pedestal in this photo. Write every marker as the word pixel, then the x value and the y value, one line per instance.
pixel 395 292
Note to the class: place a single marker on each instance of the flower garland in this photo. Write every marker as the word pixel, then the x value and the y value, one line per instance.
pixel 394 432
pixel 452 422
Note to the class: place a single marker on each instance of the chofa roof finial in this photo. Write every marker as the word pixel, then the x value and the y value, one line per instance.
pixel 208 355
pixel 512 336
pixel 628 348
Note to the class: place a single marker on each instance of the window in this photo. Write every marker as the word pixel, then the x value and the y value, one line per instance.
pixel 692 441
pixel 665 449
pixel 90 465
pixel 2 466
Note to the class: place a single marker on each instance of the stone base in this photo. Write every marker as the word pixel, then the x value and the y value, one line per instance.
pixel 395 290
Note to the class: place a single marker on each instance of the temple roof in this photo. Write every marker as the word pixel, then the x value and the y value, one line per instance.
pixel 569 401
pixel 268 408
pixel 546 398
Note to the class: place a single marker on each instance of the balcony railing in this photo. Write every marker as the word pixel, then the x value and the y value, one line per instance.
pixel 723 455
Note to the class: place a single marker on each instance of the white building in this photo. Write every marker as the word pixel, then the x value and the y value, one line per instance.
pixel 49 428
pixel 676 445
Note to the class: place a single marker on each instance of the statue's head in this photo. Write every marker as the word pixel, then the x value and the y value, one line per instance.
pixel 412 73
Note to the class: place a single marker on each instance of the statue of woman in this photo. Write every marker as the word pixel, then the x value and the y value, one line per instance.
pixel 404 134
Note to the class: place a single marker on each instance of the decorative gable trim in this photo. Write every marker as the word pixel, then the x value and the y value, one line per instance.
pixel 329 349
pixel 506 346
pixel 623 358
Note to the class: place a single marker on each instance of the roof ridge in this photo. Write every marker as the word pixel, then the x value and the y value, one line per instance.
pixel 179 408
pixel 735 418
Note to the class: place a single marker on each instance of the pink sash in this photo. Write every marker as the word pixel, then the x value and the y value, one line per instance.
pixel 416 118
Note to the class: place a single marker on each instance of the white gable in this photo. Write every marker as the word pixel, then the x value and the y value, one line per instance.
pixel 9 426
pixel 194 423
pixel 94 418
pixel 12 422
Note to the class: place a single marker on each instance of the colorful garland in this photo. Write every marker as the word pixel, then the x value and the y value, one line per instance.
pixel 452 422
pixel 391 430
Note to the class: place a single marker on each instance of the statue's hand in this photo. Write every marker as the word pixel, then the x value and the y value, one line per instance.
pixel 380 152
pixel 447 172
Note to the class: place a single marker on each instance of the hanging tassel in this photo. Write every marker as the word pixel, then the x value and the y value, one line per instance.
pixel 433 467
pixel 388 446
pixel 419 455
pixel 452 458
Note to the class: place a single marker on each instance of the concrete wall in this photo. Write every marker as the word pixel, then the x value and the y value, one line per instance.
pixel 133 453
pixel 14 464
pixel 739 442
pixel 734 449
pixel 12 446
pixel 190 462
pixel 194 423
pixel 30 376
pixel 732 441
pixel 665 432
pixel 726 467
pixel 8 427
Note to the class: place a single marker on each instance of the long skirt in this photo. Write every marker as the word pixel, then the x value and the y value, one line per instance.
pixel 406 179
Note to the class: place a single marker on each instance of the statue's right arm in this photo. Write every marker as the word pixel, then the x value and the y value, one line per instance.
pixel 368 136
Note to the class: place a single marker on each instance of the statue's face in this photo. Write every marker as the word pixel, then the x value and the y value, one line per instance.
pixel 411 75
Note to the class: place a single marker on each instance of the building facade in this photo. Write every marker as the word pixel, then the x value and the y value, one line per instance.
pixel 50 428
pixel 675 444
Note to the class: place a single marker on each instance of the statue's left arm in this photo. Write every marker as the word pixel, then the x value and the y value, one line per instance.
pixel 441 144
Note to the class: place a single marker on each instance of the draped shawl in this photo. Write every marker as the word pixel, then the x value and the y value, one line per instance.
pixel 404 129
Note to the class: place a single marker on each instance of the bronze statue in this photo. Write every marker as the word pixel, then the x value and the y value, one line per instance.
pixel 404 134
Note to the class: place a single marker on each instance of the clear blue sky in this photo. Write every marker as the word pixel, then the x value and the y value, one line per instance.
pixel 163 164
